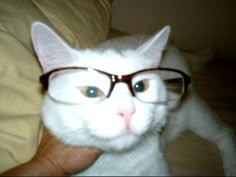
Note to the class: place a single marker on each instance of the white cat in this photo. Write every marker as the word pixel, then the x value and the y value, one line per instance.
pixel 113 97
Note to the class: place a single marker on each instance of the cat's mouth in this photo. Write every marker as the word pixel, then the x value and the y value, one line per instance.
pixel 126 133
pixel 119 131
pixel 121 141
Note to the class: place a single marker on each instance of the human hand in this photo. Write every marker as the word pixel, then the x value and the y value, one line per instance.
pixel 56 158
pixel 63 158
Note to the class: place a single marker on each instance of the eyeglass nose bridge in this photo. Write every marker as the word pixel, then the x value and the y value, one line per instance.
pixel 119 78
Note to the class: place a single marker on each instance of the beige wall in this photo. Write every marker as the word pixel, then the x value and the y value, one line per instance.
pixel 195 23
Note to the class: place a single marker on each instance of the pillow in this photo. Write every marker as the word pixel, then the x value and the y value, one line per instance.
pixel 82 24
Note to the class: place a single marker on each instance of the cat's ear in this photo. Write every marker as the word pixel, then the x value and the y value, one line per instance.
pixel 154 47
pixel 52 51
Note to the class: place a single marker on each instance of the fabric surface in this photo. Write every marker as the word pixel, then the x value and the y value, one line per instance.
pixel 82 24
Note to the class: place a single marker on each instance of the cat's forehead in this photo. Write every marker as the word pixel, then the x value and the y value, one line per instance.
pixel 114 62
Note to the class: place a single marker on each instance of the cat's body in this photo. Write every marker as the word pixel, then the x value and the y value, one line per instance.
pixel 129 131
pixel 144 159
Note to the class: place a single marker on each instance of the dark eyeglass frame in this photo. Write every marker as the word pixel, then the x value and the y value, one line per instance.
pixel 44 79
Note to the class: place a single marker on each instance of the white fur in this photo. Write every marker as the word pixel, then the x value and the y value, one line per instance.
pixel 137 152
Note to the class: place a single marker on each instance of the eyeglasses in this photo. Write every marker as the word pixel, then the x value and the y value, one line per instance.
pixel 82 85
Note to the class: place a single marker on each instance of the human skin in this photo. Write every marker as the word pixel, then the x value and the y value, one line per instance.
pixel 56 158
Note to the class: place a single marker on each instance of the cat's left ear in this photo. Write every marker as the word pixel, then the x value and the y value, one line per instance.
pixel 52 51
pixel 154 47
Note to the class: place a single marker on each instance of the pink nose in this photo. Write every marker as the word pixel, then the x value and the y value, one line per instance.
pixel 126 114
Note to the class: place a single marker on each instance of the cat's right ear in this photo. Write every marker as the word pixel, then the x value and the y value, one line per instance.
pixel 52 51
pixel 154 47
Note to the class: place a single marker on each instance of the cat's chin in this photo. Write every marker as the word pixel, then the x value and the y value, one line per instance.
pixel 120 143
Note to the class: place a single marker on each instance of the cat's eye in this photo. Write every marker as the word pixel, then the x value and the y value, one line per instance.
pixel 141 86
pixel 91 91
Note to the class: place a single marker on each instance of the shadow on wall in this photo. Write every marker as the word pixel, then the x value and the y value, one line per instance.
pixel 195 24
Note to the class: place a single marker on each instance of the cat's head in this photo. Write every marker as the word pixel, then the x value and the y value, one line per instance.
pixel 80 108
